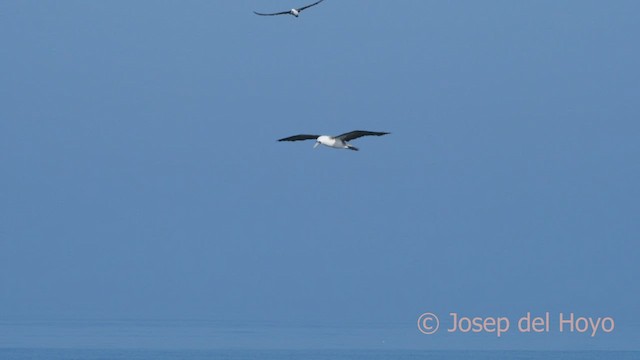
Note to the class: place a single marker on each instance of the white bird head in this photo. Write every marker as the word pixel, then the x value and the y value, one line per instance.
pixel 323 139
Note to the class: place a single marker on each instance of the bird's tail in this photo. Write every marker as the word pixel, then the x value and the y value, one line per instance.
pixel 351 147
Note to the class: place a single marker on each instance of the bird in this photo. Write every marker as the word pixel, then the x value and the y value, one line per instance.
pixel 295 12
pixel 336 142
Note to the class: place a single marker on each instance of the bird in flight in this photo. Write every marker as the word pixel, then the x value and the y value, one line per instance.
pixel 337 142
pixel 294 12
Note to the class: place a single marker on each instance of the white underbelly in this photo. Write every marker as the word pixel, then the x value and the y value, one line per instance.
pixel 335 143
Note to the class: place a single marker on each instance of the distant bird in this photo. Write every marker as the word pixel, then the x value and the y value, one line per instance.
pixel 294 12
pixel 338 142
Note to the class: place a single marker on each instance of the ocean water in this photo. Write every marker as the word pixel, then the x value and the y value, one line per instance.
pixel 191 340
pixel 141 354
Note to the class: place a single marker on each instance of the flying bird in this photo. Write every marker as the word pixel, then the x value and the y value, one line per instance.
pixel 338 142
pixel 294 12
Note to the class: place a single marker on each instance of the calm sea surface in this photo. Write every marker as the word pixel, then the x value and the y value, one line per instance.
pixel 95 354
pixel 212 340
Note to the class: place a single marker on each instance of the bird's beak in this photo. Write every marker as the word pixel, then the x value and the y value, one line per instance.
pixel 316 144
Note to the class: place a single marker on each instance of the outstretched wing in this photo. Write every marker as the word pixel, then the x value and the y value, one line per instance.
pixel 279 13
pixel 300 137
pixel 359 133
pixel 310 5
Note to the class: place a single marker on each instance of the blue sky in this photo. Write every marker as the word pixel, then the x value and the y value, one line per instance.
pixel 142 178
